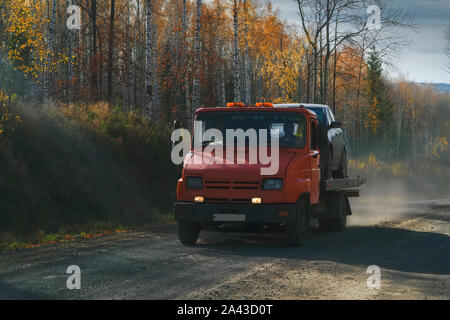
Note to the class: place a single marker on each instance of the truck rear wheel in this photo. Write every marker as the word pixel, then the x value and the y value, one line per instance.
pixel 336 206
pixel 332 225
pixel 297 230
pixel 188 232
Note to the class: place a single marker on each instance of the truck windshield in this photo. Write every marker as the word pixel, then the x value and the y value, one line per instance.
pixel 291 127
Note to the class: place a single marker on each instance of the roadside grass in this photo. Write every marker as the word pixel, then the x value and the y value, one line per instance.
pixel 81 168
pixel 43 239
pixel 9 241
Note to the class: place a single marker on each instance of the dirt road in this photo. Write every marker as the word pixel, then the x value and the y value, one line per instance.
pixel 412 248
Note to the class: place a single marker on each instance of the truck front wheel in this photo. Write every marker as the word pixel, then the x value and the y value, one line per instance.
pixel 188 232
pixel 297 230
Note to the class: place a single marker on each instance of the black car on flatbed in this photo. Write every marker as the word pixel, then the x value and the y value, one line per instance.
pixel 332 146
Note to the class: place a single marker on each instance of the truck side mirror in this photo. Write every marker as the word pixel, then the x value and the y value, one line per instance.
pixel 336 125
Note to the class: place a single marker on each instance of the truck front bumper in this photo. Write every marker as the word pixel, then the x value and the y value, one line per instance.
pixel 227 212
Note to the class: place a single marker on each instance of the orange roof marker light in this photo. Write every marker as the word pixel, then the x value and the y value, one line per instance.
pixel 235 104
pixel 265 104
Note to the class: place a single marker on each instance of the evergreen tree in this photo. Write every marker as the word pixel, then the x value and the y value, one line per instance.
pixel 379 119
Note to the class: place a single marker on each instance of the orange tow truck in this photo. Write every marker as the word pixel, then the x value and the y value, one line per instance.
pixel 222 196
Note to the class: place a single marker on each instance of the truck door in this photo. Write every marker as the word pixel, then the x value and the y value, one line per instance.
pixel 314 161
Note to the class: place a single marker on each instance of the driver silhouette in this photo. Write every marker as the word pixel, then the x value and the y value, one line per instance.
pixel 289 139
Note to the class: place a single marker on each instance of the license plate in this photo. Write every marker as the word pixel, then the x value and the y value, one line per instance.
pixel 229 217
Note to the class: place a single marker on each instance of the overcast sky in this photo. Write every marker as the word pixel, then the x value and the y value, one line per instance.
pixel 424 60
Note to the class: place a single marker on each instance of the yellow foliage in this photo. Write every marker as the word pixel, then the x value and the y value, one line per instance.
pixel 278 53
pixel 440 145
pixel 282 68
pixel 373 161
pixel 372 120
pixel 25 23
pixel 7 120
pixel 4 98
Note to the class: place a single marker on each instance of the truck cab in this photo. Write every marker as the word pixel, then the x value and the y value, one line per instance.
pixel 215 193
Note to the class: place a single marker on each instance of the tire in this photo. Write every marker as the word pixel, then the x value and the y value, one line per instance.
pixel 342 172
pixel 332 225
pixel 188 233
pixel 255 228
pixel 297 230
pixel 336 202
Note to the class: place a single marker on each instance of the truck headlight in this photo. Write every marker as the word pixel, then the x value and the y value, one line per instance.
pixel 272 184
pixel 194 183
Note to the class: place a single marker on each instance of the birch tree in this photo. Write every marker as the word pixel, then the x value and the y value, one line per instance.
pixel 246 57
pixel 197 61
pixel 70 64
pixel 51 50
pixel 111 50
pixel 236 77
pixel 149 70
pixel 94 62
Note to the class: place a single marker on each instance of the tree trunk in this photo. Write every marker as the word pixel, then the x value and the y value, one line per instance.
pixel 308 81
pixel 94 60
pixel 111 51
pixel 70 65
pixel 335 66
pixel 196 84
pixel 237 96
pixel 314 76
pixel 222 101
pixel 246 61
pixel 327 56
pixel 51 53
pixel 149 70
pixel 155 99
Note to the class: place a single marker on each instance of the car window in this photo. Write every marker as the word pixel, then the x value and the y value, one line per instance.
pixel 320 113
pixel 330 115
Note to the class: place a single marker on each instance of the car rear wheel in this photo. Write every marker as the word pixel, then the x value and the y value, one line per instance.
pixel 297 230
pixel 188 232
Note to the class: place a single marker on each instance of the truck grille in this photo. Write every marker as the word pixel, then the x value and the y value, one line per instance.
pixel 235 185
pixel 222 200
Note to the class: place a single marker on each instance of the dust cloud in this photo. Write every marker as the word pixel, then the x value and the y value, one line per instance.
pixel 386 197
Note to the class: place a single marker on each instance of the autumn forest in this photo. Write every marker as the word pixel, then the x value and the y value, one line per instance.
pixel 106 92
pixel 167 58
